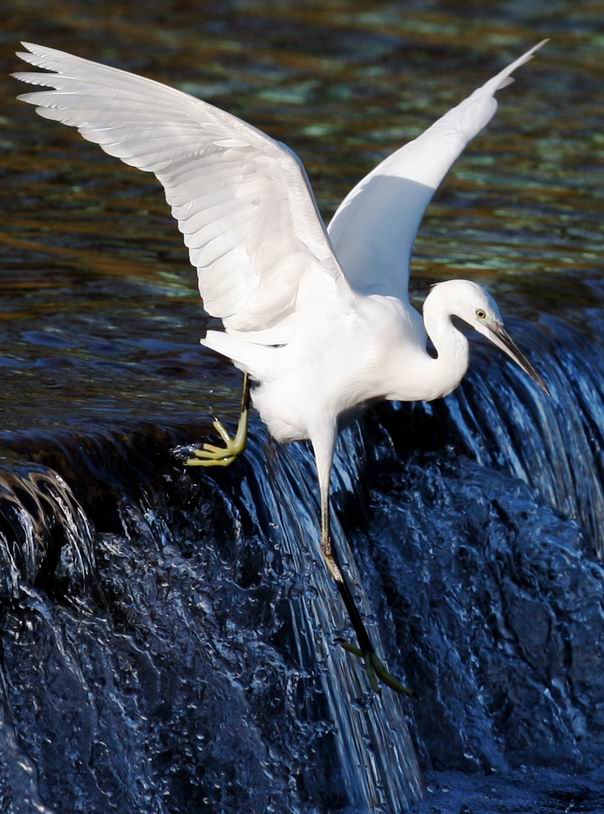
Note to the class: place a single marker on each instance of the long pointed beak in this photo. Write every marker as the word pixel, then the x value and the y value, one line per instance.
pixel 503 340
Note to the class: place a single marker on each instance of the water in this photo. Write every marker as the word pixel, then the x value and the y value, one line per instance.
pixel 492 422
pixel 169 640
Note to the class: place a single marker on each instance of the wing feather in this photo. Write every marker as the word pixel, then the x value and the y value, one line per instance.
pixel 241 199
pixel 374 228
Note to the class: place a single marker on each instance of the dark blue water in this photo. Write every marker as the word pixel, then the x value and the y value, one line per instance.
pixel 175 635
pixel 169 639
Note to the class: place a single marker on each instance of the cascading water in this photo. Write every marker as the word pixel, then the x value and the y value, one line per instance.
pixel 199 668
pixel 555 445
pixel 375 754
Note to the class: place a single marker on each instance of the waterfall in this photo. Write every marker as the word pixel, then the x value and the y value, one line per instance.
pixel 375 754
pixel 555 445
pixel 171 638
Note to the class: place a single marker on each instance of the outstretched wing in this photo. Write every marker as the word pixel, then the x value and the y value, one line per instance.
pixel 374 228
pixel 241 199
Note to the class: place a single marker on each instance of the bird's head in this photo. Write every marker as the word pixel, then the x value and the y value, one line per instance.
pixel 475 306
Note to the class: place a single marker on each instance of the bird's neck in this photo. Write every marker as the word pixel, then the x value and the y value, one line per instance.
pixel 443 374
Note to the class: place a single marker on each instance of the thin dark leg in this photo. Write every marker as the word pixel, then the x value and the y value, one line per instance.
pixel 373 665
pixel 333 565
pixel 245 394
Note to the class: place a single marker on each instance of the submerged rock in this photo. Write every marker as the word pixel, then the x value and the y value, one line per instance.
pixel 497 611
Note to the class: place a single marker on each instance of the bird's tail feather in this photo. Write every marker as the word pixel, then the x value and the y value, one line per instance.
pixel 257 360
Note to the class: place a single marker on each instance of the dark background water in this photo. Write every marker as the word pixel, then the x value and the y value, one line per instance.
pixel 168 639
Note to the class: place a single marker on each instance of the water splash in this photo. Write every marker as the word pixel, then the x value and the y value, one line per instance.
pixel 43 531
pixel 19 790
pixel 212 616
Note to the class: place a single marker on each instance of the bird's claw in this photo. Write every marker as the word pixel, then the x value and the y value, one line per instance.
pixel 376 669
pixel 222 432
pixel 212 455
pixel 198 461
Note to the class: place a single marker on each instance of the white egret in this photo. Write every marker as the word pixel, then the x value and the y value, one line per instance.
pixel 319 320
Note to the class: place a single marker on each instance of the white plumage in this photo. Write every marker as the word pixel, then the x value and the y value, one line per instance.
pixel 320 320
pixel 375 226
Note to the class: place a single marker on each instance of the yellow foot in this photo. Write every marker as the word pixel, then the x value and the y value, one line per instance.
pixel 377 670
pixel 211 455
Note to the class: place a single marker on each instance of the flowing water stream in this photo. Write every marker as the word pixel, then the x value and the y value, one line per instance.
pixel 170 639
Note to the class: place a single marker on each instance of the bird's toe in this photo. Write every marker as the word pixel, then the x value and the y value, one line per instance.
pixel 377 671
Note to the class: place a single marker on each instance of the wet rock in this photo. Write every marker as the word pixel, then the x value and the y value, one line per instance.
pixel 491 594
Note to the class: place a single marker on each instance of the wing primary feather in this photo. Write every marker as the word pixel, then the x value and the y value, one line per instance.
pixel 241 199
pixel 374 228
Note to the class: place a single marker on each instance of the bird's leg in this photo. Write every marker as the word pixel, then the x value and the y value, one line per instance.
pixel 376 670
pixel 211 455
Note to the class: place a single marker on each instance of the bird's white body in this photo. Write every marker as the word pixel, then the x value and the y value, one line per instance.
pixel 304 391
pixel 374 349
pixel 319 318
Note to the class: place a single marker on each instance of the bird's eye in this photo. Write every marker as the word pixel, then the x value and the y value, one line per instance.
pixel 480 314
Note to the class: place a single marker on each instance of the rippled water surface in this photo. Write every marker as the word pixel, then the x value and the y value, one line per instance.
pixel 117 569
pixel 99 307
